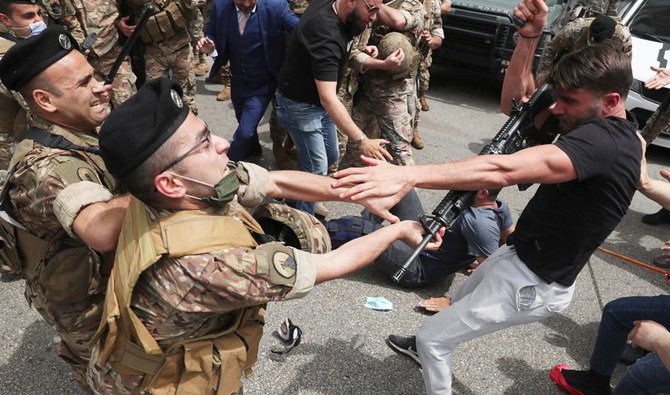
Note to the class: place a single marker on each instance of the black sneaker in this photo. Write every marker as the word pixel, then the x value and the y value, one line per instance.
pixel 404 345
pixel 662 216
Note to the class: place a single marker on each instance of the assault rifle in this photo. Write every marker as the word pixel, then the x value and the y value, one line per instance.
pixel 149 11
pixel 517 133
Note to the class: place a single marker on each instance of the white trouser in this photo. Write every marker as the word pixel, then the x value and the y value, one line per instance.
pixel 501 293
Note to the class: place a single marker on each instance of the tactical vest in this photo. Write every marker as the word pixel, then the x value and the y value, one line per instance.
pixel 73 271
pixel 185 366
pixel 169 20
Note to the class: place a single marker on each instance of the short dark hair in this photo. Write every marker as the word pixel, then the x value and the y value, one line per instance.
pixel 39 82
pixel 5 8
pixel 140 180
pixel 599 68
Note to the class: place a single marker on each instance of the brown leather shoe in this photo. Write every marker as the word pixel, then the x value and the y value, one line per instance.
pixel 417 140
pixel 424 104
pixel 224 94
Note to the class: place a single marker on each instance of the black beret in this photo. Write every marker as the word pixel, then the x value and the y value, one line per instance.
pixel 138 127
pixel 29 57
pixel 602 28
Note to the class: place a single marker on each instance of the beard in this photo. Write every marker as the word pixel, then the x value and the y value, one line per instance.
pixel 566 124
pixel 354 24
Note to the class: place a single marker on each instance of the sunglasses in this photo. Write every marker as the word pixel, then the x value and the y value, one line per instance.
pixel 371 8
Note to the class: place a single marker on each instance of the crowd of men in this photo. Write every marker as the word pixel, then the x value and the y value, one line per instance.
pixel 150 248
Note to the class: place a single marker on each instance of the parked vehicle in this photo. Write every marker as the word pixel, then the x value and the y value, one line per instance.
pixel 480 35
pixel 649 25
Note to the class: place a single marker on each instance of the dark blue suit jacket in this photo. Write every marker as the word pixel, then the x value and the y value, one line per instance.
pixel 275 18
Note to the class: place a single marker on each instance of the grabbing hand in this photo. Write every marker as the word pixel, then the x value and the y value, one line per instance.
pixel 645 333
pixel 371 50
pixel 205 45
pixel 659 80
pixel 415 233
pixel 379 179
pixel 394 60
pixel 374 148
pixel 123 26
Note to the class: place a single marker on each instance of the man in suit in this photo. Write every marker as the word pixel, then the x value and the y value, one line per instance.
pixel 250 35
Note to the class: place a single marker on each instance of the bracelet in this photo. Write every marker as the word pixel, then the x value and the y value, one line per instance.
pixel 652 337
pixel 531 37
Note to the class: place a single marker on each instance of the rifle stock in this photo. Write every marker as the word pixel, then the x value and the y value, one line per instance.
pixel 516 134
pixel 149 11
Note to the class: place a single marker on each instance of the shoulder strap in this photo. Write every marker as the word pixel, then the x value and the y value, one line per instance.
pixel 10 37
pixel 55 141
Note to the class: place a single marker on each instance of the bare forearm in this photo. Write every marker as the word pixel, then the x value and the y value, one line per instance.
pixel 338 113
pixel 518 83
pixel 299 185
pixel 357 253
pixel 658 191
pixel 99 224
pixel 392 18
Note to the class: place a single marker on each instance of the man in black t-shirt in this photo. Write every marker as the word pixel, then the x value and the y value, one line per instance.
pixel 307 103
pixel 588 177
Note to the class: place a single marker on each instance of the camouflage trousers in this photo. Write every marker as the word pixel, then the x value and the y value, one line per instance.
pixel 75 324
pixel 424 72
pixel 174 58
pixel 657 124
pixel 392 104
pixel 124 83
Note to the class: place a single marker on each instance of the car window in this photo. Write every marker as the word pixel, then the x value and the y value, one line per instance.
pixel 652 21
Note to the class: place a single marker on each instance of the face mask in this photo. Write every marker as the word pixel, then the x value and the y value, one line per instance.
pixel 225 189
pixel 35 28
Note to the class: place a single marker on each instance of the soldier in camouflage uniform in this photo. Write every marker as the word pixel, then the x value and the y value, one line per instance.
pixel 604 7
pixel 201 301
pixel 391 102
pixel 60 190
pixel 168 44
pixel 196 27
pixel 659 122
pixel 101 18
pixel 20 19
pixel 578 33
pixel 431 38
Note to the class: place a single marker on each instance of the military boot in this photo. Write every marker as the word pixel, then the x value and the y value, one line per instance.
pixel 201 66
pixel 424 103
pixel 417 140
pixel 224 94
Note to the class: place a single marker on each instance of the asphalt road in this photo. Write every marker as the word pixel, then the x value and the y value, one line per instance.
pixel 343 349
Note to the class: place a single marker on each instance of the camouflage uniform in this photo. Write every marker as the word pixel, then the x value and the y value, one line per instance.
pixel 346 90
pixel 432 24
pixel 657 124
pixel 196 28
pixel 47 189
pixel 172 56
pixel 575 36
pixel 100 17
pixel 605 7
pixel 392 103
pixel 182 298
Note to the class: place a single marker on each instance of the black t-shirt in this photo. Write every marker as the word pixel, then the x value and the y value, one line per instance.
pixel 319 51
pixel 564 223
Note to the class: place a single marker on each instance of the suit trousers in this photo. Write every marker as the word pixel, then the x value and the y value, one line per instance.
pixel 249 112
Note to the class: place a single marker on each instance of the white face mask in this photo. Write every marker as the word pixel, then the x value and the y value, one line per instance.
pixel 35 28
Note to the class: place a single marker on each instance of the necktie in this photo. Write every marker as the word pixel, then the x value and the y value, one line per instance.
pixel 242 21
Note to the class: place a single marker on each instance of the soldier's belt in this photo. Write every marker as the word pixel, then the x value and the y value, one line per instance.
pixel 164 25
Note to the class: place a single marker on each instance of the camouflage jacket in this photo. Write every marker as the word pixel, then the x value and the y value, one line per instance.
pixel 414 13
pixel 99 17
pixel 182 298
pixel 574 36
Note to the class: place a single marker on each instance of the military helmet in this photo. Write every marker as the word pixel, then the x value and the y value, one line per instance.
pixel 389 44
pixel 294 227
